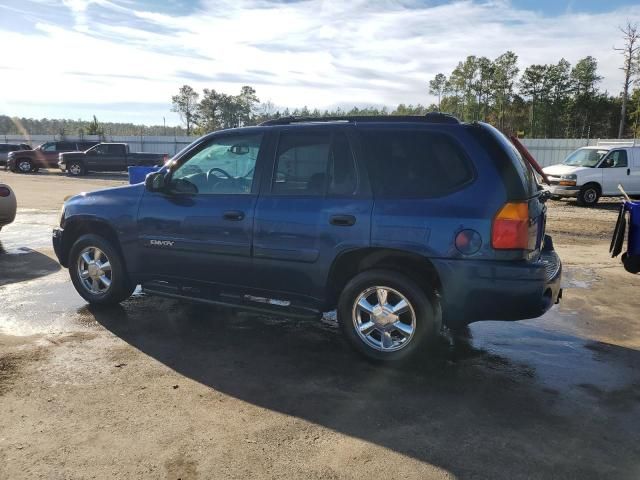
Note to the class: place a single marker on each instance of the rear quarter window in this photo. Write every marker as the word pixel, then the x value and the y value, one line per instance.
pixel 415 163
pixel 518 176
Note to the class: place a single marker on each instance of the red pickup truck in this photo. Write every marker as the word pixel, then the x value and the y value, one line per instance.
pixel 44 156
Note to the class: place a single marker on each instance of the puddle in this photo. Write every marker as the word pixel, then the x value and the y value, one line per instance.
pixel 31 230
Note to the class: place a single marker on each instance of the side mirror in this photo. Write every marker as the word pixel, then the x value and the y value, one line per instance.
pixel 155 182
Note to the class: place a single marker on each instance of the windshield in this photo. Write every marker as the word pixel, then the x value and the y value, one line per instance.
pixel 585 157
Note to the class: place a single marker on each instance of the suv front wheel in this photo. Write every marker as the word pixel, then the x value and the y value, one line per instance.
pixel 386 316
pixel 97 271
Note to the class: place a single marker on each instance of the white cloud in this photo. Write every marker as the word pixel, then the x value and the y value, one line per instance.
pixel 316 53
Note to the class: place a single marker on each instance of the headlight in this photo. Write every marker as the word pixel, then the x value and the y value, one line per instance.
pixel 568 180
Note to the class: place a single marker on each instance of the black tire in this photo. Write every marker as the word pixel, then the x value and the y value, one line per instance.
pixel 589 195
pixel 76 168
pixel 425 305
pixel 120 287
pixel 23 165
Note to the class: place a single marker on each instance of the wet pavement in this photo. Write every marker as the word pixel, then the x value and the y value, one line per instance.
pixel 544 398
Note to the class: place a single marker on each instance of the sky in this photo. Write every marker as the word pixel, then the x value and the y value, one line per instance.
pixel 122 60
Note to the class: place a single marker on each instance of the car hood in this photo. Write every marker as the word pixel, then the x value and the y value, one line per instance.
pixel 561 169
pixel 76 152
pixel 106 196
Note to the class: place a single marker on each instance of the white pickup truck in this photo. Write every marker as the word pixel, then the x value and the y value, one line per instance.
pixel 592 172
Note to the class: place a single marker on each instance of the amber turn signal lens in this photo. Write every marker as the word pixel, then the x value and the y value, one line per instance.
pixel 511 227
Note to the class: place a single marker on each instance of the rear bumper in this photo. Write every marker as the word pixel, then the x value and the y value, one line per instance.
pixel 499 290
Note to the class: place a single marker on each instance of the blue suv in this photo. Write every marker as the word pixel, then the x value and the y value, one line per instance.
pixel 402 224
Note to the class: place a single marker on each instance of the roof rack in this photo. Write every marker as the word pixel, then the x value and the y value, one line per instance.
pixel 431 117
pixel 619 143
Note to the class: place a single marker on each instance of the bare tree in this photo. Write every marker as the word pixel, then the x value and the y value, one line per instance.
pixel 630 51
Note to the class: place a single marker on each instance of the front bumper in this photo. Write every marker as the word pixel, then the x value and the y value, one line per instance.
pixel 56 238
pixel 562 191
pixel 500 290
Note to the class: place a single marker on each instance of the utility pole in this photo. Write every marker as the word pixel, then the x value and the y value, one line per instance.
pixel 164 123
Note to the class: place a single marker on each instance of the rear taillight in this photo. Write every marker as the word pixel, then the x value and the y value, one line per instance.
pixel 511 227
pixel 4 192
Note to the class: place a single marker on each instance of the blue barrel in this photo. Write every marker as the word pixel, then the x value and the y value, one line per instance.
pixel 633 242
pixel 138 174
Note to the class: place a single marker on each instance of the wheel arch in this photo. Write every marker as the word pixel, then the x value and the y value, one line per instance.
pixel 595 183
pixel 75 228
pixel 352 262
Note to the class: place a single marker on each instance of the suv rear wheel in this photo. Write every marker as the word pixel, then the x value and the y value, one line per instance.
pixel 589 195
pixel 97 271
pixel 387 316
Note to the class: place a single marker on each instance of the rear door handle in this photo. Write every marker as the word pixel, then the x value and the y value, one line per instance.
pixel 342 220
pixel 233 215
pixel 628 171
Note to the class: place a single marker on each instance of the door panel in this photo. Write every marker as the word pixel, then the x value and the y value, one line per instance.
pixel 201 229
pixel 616 170
pixel 188 237
pixel 296 236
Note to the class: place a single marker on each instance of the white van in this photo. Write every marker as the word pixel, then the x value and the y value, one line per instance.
pixel 592 172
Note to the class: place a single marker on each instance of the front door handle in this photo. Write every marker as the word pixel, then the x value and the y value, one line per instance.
pixel 233 215
pixel 628 171
pixel 342 220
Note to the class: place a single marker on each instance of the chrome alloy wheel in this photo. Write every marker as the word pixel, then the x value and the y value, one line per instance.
pixel 384 319
pixel 24 166
pixel 75 169
pixel 94 270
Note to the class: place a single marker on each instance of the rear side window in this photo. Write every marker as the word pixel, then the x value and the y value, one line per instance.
pixel 415 163
pixel 65 146
pixel 314 163
pixel 517 175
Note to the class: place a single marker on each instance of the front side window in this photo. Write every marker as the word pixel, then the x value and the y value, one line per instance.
pixel 314 163
pixel 409 164
pixel 615 159
pixel 224 165
pixel 48 147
